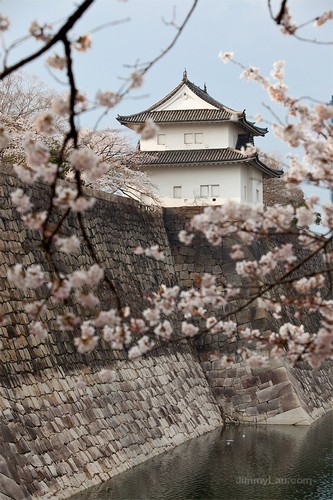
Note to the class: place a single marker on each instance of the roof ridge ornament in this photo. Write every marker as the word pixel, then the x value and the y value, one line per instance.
pixel 205 88
pixel 184 75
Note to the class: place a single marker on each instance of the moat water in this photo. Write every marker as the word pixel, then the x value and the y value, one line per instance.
pixel 236 463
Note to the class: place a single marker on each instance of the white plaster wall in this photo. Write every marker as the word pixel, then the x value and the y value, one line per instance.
pixel 215 136
pixel 244 185
pixel 228 177
pixel 251 178
pixel 185 99
pixel 233 131
pixel 257 184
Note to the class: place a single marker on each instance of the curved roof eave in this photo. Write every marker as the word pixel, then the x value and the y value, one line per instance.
pixel 251 126
pixel 204 157
pixel 264 168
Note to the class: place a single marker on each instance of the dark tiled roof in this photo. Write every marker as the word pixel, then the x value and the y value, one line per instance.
pixel 167 157
pixel 202 156
pixel 222 113
pixel 178 115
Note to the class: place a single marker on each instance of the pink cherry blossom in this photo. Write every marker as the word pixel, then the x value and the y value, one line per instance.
pixel 44 123
pixel 68 245
pixel 107 375
pixel 56 61
pixel 4 23
pixel 88 340
pixel 37 329
pixel 164 330
pixel 188 329
pixel 21 201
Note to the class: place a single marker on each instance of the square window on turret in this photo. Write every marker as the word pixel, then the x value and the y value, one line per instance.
pixel 177 191
pixel 204 191
pixel 188 138
pixel 161 139
pixel 215 190
pixel 198 138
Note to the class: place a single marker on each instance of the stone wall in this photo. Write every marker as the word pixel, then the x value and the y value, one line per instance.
pixel 57 439
pixel 277 394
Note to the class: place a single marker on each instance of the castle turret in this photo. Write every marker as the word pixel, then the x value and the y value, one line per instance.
pixel 197 156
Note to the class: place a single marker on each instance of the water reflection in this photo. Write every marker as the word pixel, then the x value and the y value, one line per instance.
pixel 244 463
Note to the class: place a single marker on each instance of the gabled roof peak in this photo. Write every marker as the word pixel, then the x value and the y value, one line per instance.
pixel 186 80
pixel 198 91
pixel 214 111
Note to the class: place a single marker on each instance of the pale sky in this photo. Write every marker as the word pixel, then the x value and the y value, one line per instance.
pixel 241 26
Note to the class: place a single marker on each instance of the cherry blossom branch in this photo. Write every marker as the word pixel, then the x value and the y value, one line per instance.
pixel 145 67
pixel 283 19
pixel 278 18
pixel 180 29
pixel 71 135
pixel 59 36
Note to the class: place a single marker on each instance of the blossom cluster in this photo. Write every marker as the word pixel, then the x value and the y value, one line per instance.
pixel 308 127
pixel 272 281
pixel 153 251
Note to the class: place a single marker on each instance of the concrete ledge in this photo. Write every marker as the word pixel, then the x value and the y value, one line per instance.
pixel 297 416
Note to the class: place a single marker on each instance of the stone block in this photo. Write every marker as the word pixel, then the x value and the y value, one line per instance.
pixel 218 392
pixel 289 401
pixel 274 391
pixel 263 407
pixel 244 316
pixel 236 400
pixel 265 385
pixel 12 489
pixel 229 392
pixel 265 376
pixel 274 404
pixel 272 413
pixel 279 375
pixel 7 435
pixel 250 381
pixel 252 411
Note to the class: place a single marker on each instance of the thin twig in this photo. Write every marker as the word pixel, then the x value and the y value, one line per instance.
pixel 145 67
pixel 109 24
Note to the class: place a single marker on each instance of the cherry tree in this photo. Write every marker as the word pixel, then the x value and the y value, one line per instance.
pixel 205 307
pixel 122 165
pixel 23 98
